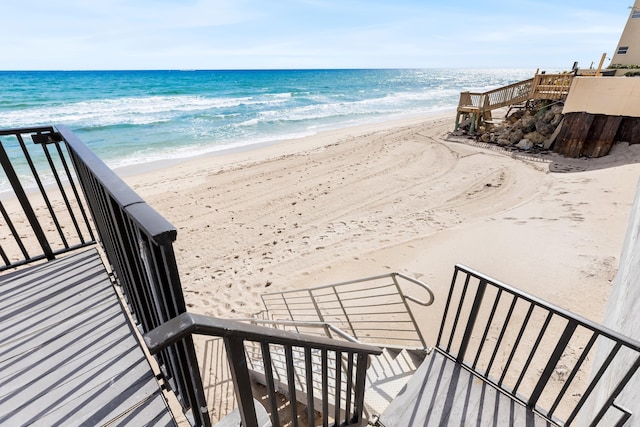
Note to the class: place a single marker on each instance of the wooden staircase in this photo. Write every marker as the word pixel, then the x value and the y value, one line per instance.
pixel 476 107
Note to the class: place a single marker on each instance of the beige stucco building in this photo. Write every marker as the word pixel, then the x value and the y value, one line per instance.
pixel 611 96
pixel 628 49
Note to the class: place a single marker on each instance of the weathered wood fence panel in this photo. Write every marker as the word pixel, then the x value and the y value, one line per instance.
pixel 601 136
pixel 573 134
pixel 629 130
pixel 593 135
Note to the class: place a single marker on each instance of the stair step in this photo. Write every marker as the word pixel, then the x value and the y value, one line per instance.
pixel 393 352
pixel 233 419
pixel 387 375
pixel 441 392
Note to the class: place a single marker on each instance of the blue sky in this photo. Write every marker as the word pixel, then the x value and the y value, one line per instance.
pixel 267 34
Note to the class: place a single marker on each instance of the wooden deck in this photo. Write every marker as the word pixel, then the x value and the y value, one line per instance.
pixel 67 353
pixel 442 393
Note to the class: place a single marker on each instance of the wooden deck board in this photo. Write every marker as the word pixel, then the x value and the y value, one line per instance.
pixel 441 393
pixel 68 356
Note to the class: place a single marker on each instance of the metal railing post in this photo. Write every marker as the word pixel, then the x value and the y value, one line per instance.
pixel 551 364
pixel 475 309
pixel 361 376
pixel 241 381
pixel 24 203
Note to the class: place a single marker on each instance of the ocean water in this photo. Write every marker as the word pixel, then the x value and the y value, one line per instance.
pixel 134 117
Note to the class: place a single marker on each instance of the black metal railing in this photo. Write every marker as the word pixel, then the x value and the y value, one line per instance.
pixel 138 243
pixel 325 381
pixel 306 359
pixel 42 211
pixel 536 352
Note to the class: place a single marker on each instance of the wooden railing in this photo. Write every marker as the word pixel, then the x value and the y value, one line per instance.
pixel 478 105
pixel 551 86
pixel 515 93
pixel 536 352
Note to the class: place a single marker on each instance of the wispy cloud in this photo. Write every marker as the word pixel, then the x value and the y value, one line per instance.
pixel 303 33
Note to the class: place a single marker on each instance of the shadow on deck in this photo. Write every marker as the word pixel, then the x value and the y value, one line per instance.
pixel 449 395
pixel 68 354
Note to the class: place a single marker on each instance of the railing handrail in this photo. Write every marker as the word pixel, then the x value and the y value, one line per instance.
pixel 420 283
pixel 481 95
pixel 483 101
pixel 237 334
pixel 187 324
pixel 138 244
pixel 583 321
pixel 465 336
pixel 53 162
pixel 154 224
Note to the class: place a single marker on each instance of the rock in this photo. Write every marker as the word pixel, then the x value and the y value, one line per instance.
pixel 525 144
pixel 516 116
pixel 528 124
pixel 557 109
pixel 549 142
pixel 524 128
pixel 548 116
pixel 535 137
pixel 515 136
pixel 556 119
pixel 544 128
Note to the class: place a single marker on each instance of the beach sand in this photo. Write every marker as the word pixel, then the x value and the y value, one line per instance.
pixel 395 196
pixel 399 196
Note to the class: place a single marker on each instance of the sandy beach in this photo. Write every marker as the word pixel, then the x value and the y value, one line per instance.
pixel 396 196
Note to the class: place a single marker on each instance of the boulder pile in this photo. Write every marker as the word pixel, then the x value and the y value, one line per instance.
pixel 533 128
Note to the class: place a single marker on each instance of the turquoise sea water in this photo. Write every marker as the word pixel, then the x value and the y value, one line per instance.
pixel 133 117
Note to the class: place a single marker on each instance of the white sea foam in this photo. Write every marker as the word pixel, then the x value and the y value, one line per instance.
pixel 217 111
pixel 122 111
